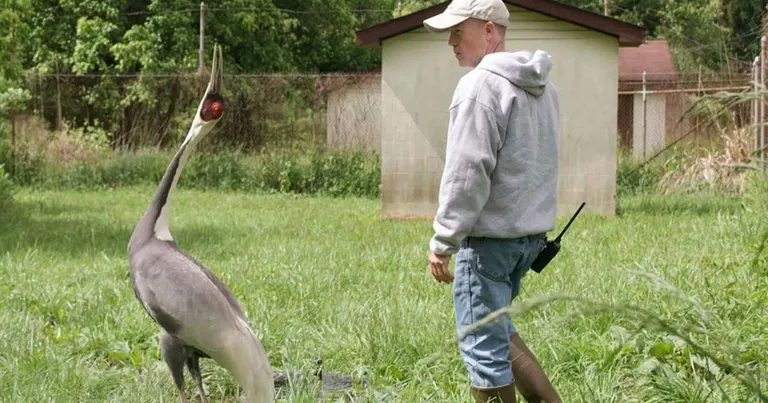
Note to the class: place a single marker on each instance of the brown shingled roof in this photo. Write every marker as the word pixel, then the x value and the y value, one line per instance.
pixel 653 57
pixel 627 34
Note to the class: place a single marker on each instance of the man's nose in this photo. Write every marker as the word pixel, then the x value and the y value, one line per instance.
pixel 452 40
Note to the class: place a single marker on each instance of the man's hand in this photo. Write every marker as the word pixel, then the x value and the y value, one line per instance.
pixel 438 266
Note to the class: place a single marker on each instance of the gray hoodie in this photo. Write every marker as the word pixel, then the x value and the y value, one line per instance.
pixel 500 175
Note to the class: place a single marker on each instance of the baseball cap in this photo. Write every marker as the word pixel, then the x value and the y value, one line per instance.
pixel 460 10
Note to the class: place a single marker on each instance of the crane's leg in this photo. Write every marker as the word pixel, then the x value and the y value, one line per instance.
pixel 174 356
pixel 193 363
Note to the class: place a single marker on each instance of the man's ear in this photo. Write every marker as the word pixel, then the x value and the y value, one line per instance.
pixel 489 30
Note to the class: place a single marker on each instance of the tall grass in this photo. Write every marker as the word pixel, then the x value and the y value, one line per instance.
pixel 82 159
pixel 353 173
pixel 6 189
pixel 666 302
pixel 720 166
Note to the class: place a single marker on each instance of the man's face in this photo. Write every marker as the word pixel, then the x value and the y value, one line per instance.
pixel 469 41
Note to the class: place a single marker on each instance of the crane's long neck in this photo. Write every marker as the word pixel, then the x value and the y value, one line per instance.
pixel 155 220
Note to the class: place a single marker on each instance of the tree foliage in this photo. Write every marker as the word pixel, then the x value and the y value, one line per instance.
pixel 129 36
pixel 744 17
pixel 12 27
pixel 712 34
pixel 410 6
pixel 162 36
pixel 150 37
pixel 695 42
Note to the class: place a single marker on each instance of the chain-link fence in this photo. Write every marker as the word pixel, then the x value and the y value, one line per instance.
pixel 341 110
pixel 654 112
pixel 262 111
pixel 353 113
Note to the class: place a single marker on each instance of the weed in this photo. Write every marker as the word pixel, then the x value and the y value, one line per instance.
pixel 669 303
pixel 6 189
pixel 316 171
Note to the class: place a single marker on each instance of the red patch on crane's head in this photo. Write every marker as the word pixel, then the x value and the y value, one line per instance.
pixel 213 108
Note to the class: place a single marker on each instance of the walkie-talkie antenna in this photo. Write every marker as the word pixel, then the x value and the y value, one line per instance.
pixel 570 221
pixel 551 248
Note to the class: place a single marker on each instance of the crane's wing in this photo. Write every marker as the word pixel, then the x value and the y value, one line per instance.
pixel 183 296
pixel 233 302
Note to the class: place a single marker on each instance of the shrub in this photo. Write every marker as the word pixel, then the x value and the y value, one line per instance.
pixel 124 169
pixel 332 173
pixel 6 189
pixel 350 173
pixel 634 177
pixel 223 170
pixel 24 166
pixel 721 169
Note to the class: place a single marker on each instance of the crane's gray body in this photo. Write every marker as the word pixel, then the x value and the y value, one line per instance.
pixel 174 288
pixel 197 314
pixel 184 297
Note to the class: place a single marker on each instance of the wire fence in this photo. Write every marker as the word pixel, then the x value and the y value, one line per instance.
pixel 343 111
pixel 262 111
pixel 758 104
pixel 655 111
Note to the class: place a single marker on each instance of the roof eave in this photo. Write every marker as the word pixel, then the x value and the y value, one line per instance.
pixel 373 36
pixel 631 40
pixel 627 34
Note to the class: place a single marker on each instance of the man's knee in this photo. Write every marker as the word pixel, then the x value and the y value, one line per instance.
pixel 486 355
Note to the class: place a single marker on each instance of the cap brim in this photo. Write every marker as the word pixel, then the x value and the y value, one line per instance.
pixel 443 22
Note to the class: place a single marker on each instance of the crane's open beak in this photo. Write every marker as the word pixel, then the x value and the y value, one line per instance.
pixel 217 70
pixel 213 104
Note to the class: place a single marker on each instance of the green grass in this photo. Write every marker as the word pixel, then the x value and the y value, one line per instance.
pixel 324 278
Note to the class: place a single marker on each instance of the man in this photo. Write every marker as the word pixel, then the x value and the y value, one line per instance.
pixel 497 194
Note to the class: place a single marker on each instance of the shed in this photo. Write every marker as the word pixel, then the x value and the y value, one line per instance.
pixel 419 74
pixel 645 123
pixel 353 108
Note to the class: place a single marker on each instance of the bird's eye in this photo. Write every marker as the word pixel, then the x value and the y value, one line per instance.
pixel 213 108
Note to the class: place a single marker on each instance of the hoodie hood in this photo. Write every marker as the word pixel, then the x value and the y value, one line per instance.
pixel 529 71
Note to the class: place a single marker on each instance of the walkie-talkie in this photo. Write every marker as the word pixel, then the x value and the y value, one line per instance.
pixel 551 248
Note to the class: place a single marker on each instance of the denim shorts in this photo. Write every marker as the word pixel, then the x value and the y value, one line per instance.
pixel 487 278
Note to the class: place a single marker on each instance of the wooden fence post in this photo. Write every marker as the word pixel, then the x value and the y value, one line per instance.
pixel 761 135
pixel 12 112
pixel 58 95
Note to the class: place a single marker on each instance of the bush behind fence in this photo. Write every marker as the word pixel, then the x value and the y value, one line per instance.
pixel 354 173
pixel 685 133
pixel 286 133
pixel 262 111
pixel 283 132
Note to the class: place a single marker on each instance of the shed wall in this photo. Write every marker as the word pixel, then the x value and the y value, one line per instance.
pixel 419 74
pixel 354 116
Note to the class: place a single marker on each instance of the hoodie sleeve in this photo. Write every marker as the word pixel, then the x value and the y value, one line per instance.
pixel 473 141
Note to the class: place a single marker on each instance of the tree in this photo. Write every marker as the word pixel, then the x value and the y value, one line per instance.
pixel 744 19
pixel 696 34
pixel 411 6
pixel 13 96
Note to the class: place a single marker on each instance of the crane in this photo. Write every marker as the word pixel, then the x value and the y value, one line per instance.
pixel 197 314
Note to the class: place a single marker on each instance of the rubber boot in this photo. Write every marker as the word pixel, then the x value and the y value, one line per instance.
pixel 530 379
pixel 504 394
